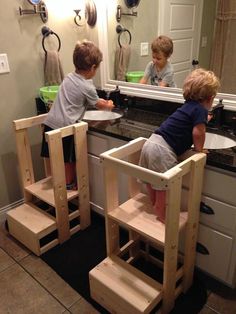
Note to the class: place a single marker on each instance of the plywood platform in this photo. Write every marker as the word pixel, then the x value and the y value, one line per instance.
pixel 116 284
pixel 43 189
pixel 137 214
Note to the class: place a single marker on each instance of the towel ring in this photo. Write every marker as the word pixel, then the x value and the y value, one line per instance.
pixel 120 30
pixel 46 32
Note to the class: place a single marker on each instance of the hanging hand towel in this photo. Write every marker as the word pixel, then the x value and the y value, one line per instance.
pixel 53 73
pixel 121 62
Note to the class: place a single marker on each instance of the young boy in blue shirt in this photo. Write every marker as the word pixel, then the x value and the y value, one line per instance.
pixel 184 128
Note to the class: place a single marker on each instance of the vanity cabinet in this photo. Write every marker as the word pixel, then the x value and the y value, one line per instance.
pixel 217 231
pixel 216 249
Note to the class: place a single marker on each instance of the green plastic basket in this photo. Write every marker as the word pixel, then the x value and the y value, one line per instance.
pixel 48 93
pixel 134 76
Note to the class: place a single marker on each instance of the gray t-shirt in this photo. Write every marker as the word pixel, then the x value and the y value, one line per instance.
pixel 165 75
pixel 74 96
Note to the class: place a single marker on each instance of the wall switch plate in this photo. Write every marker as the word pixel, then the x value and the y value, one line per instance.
pixel 4 65
pixel 144 49
pixel 204 41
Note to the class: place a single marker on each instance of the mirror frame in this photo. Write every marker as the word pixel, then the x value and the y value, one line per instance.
pixel 136 89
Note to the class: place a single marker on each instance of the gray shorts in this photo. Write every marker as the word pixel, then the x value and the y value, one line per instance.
pixel 157 155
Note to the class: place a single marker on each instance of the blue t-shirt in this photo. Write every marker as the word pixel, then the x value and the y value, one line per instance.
pixel 177 128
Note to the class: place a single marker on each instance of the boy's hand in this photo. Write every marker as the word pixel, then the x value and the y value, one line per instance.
pixel 209 116
pixel 110 105
pixel 103 104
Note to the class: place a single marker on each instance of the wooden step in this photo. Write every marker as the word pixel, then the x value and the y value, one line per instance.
pixel 43 189
pixel 29 224
pixel 121 288
pixel 137 214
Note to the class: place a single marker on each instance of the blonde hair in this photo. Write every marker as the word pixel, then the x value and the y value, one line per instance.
pixel 162 44
pixel 200 85
pixel 85 55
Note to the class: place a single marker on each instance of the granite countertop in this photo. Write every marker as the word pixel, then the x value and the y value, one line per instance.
pixel 140 123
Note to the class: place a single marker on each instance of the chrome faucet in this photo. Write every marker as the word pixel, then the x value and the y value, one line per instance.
pixel 219 105
pixel 116 97
pixel 217 115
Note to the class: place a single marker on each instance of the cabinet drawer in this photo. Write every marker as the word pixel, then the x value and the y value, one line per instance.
pixel 219 247
pixel 214 213
pixel 97 145
pixel 222 216
pixel 217 185
pixel 115 142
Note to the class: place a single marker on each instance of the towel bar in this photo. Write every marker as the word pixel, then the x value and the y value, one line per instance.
pixel 46 32
pixel 120 30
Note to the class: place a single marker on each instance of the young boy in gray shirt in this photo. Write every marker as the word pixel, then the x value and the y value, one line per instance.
pixel 159 71
pixel 76 93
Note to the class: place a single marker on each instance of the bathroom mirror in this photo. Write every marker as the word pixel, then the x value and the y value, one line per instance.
pixel 107 40
pixel 132 3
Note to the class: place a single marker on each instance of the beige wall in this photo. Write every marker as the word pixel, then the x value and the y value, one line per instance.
pixel 143 28
pixel 20 39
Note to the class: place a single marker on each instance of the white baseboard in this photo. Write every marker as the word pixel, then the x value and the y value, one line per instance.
pixel 5 209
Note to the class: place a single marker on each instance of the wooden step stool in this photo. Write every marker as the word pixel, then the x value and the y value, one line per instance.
pixel 39 229
pixel 115 283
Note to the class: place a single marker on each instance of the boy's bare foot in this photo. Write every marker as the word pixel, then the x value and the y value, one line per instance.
pixel 72 186
pixel 161 219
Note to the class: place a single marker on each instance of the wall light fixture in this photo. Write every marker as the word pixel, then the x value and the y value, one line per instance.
pixel 90 14
pixel 39 7
pixel 77 17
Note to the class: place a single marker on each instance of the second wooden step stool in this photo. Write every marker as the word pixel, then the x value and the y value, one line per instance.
pixel 49 216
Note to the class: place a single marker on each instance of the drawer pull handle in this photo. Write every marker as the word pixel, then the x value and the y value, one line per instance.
pixel 206 209
pixel 200 248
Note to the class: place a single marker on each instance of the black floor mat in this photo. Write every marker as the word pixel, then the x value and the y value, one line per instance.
pixel 83 251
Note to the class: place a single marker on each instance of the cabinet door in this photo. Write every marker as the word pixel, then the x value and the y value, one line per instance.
pixel 96 184
pixel 215 260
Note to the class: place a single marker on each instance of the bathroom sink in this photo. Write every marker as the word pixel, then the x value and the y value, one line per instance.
pixel 101 115
pixel 216 141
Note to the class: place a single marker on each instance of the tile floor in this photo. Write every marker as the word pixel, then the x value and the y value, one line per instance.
pixel 30 286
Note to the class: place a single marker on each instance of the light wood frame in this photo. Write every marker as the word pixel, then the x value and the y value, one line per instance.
pixel 51 189
pixel 135 216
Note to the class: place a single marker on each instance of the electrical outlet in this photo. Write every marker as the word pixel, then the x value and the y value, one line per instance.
pixel 144 49
pixel 4 65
